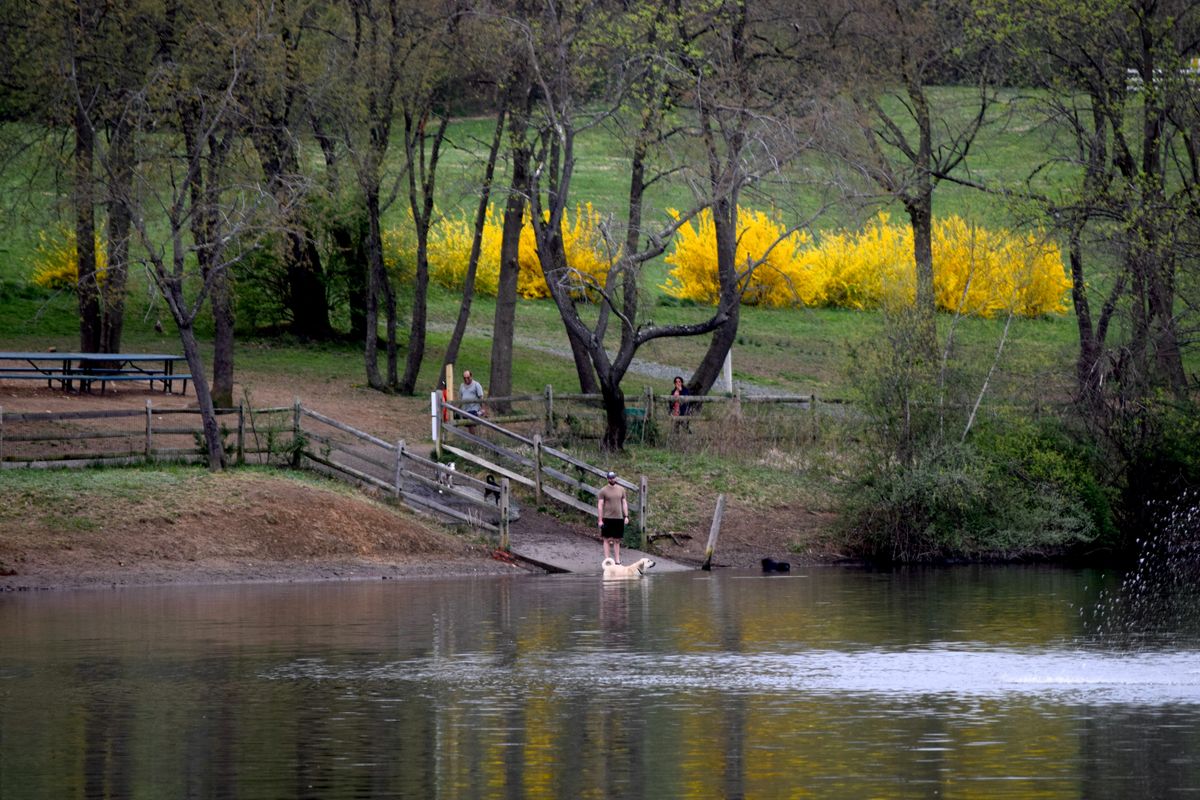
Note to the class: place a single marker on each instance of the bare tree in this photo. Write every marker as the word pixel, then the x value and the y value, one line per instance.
pixel 706 53
pixel 893 53
pixel 188 189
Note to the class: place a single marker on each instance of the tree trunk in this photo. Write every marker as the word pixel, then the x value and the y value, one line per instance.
pixel 221 300
pixel 464 308
pixel 87 284
pixel 920 215
pixel 376 278
pixel 616 427
pixel 212 432
pixel 306 295
pixel 119 232
pixel 725 228
pixel 504 321
pixel 416 334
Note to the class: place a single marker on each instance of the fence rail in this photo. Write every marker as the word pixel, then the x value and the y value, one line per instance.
pixel 523 459
pixel 341 451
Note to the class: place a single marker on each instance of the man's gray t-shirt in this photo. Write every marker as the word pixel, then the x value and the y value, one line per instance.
pixel 471 394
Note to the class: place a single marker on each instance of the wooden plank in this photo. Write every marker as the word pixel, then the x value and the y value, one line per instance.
pixel 454 490
pixel 570 481
pixel 334 444
pixel 713 531
pixel 567 499
pixel 361 476
pixel 475 420
pixel 449 512
pixel 68 437
pixel 499 450
pixel 50 416
pixel 341 426
pixel 496 468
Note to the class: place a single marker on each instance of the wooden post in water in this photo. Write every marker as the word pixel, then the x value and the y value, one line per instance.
pixel 149 430
pixel 241 433
pixel 398 477
pixel 643 507
pixel 537 467
pixel 713 532
pixel 504 514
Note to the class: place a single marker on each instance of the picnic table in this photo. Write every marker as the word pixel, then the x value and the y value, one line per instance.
pixel 86 369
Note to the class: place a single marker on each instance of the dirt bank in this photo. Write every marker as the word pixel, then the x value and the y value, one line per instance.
pixel 204 528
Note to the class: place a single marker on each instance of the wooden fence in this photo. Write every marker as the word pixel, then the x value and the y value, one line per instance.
pixel 349 453
pixel 288 435
pixel 529 460
pixel 128 436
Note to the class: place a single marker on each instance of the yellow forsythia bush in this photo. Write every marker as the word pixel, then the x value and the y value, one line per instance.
pixel 450 249
pixel 56 261
pixel 976 271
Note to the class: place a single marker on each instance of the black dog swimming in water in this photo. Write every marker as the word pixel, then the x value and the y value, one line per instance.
pixel 492 494
pixel 771 565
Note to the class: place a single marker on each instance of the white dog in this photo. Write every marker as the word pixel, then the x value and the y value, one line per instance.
pixel 445 476
pixel 615 571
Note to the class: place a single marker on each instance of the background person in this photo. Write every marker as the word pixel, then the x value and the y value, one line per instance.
pixel 470 398
pixel 612 513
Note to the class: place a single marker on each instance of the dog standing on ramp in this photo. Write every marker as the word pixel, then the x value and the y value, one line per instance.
pixel 615 572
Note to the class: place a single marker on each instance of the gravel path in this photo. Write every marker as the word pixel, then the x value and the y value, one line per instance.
pixel 650 369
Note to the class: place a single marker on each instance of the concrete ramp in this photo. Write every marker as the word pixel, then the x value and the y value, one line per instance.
pixel 554 546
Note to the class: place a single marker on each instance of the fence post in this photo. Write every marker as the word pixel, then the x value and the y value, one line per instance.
pixel 643 507
pixel 398 479
pixel 537 468
pixel 296 433
pixel 241 433
pixel 713 532
pixel 504 514
pixel 435 406
pixel 549 409
pixel 149 430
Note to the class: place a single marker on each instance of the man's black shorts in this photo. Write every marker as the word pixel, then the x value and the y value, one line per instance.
pixel 613 528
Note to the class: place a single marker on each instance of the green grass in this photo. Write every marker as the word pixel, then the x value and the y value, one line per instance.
pixel 803 350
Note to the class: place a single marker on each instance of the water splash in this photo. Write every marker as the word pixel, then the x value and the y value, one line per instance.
pixel 1158 599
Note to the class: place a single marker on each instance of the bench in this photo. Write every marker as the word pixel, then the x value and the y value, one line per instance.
pixel 85 379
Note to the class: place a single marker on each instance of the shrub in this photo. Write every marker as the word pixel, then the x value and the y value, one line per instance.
pixel 961 502
pixel 450 249
pixel 56 260
pixel 976 271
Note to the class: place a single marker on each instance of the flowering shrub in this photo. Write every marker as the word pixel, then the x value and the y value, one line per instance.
pixel 450 249
pixel 56 261
pixel 976 271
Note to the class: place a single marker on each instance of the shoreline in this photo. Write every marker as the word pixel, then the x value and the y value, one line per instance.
pixel 215 573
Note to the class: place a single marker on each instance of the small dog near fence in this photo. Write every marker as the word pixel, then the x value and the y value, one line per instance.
pixel 490 493
pixel 445 476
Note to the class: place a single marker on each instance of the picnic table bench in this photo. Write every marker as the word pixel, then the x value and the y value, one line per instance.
pixel 86 369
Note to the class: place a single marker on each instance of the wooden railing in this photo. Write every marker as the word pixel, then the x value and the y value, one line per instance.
pixel 528 460
pixel 295 436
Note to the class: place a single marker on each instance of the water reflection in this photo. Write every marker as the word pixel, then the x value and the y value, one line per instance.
pixel 834 683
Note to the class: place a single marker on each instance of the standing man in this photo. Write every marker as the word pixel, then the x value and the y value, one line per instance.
pixel 612 513
pixel 470 395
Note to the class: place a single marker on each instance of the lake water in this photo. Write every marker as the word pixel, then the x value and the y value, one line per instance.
pixel 828 682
